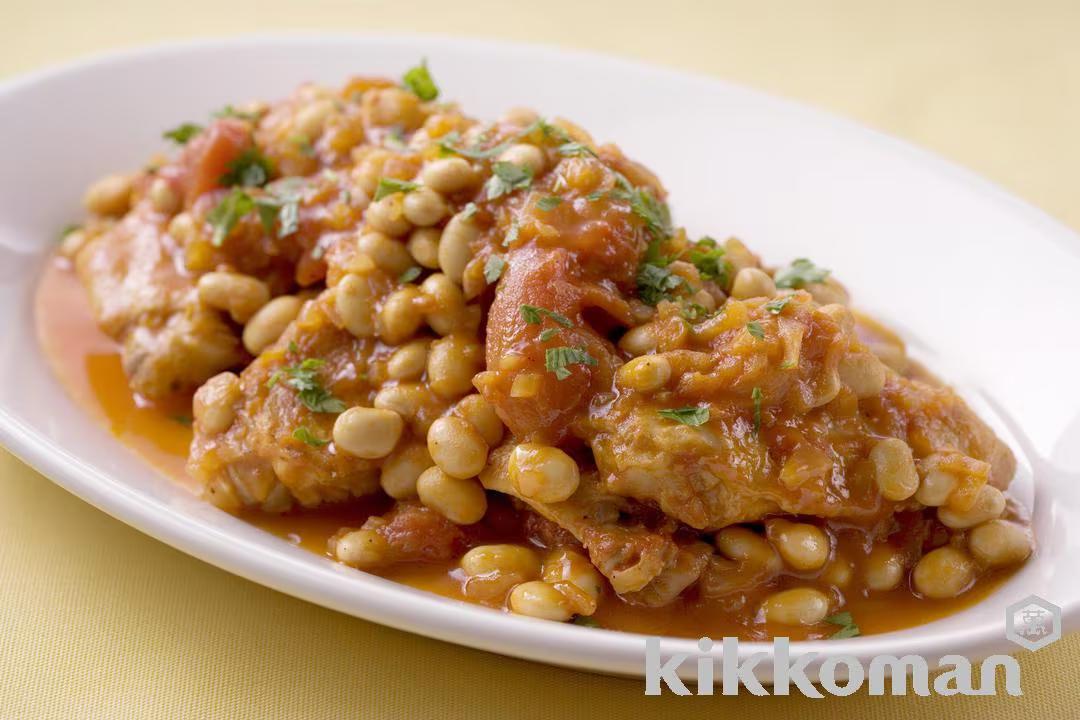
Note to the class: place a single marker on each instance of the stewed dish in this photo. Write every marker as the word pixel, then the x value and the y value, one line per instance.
pixel 479 358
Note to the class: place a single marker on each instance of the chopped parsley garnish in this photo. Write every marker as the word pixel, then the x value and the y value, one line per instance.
pixel 534 315
pixel 250 169
pixel 389 186
pixel 800 273
pixel 557 359
pixel 469 210
pixel 448 142
pixel 306 436
pixel 548 333
pixel 304 378
pixel 506 178
pixel 708 258
pixel 575 149
pixel 182 133
pixel 692 312
pixel 656 214
pixel 754 328
pixel 68 229
pixel 227 213
pixel 777 306
pixel 493 269
pixel 585 621
pixel 551 131
pixel 281 205
pixel 757 396
pixel 549 203
pixel 693 416
pixel 419 82
pixel 409 275
pixel 230 112
pixel 303 145
pixel 511 234
pixel 655 282
pixel 394 138
pixel 848 628
pixel 595 195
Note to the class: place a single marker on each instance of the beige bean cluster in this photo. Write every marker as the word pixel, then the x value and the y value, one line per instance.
pixel 434 458
pixel 561 586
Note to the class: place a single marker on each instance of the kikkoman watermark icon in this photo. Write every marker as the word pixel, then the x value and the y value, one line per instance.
pixel 1033 623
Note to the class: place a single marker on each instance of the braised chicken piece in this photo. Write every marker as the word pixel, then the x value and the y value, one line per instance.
pixel 497 328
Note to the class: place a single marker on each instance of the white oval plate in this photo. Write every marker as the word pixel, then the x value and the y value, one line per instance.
pixel 983 279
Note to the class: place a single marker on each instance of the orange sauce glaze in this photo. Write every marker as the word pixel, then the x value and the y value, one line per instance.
pixel 88 364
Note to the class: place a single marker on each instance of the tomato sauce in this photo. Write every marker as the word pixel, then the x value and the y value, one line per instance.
pixel 88 363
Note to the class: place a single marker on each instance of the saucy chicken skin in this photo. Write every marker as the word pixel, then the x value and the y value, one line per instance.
pixel 496 331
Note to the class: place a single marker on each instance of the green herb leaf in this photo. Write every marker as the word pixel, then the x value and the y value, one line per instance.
pixel 655 283
pixel 800 273
pixel 282 206
pixel 754 328
pixel 389 186
pixel 304 378
pixel 585 621
pixel 250 169
pixel 394 139
pixel 306 436
pixel 511 234
pixel 708 258
pixel 848 628
pixel 548 333
pixel 469 210
pixel 693 415
pixel 418 81
pixel 493 269
pixel 549 203
pixel 185 420
pixel 551 131
pixel 758 397
pixel 777 306
pixel 230 112
pixel 535 315
pixel 303 144
pixel 575 149
pixel 409 275
pixel 227 213
pixel 595 195
pixel 557 359
pixel 68 229
pixel 693 312
pixel 656 214
pixel 182 133
pixel 268 209
pixel 506 178
pixel 448 143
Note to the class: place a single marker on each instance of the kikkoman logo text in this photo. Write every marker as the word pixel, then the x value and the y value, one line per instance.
pixel 1032 623
pixel 837 675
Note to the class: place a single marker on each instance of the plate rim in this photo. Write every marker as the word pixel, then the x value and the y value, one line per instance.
pixel 566 645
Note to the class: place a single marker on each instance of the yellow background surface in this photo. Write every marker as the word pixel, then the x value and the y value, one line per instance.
pixel 97 620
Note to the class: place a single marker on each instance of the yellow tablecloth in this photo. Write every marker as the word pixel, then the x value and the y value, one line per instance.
pixel 97 620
